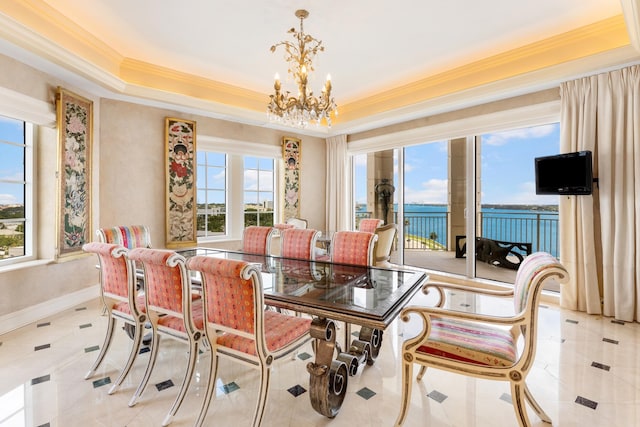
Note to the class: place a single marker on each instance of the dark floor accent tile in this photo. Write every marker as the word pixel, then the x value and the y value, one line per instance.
pixel 507 398
pixel 86 325
pixel 164 385
pixel 586 402
pixel 41 347
pixel 601 366
pixel 42 379
pixel 45 425
pixel 618 322
pixel 81 308
pixel 228 388
pixel 40 325
pixel 575 322
pixel 610 341
pixel 297 390
pixel 304 356
pixel 144 350
pixel 101 382
pixel 366 393
pixel 92 348
pixel 437 396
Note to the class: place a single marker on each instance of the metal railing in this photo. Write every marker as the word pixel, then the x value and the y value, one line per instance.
pixel 428 231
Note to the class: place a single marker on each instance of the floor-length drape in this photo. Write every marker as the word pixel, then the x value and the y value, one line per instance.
pixel 337 191
pixel 601 248
pixel 619 159
pixel 577 225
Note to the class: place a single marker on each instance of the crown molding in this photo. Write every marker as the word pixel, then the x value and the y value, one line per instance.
pixel 38 28
pixel 583 42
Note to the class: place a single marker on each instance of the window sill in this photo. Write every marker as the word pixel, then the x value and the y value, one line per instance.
pixel 24 264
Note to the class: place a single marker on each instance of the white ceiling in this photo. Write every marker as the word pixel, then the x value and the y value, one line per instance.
pixel 370 45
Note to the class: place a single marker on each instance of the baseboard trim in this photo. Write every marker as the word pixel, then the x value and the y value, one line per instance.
pixel 20 318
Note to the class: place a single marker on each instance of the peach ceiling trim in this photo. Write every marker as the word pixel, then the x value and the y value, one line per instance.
pixel 39 18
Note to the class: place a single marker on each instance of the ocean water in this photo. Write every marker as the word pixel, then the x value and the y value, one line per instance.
pixel 527 225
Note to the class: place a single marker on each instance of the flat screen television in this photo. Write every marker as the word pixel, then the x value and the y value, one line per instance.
pixel 565 174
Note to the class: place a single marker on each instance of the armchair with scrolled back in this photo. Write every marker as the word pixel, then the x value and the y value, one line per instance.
pixel 485 346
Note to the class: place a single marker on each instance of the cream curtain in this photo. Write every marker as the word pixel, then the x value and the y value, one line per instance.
pixel 600 234
pixel 337 180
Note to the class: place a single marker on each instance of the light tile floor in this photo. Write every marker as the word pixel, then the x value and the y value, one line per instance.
pixel 587 373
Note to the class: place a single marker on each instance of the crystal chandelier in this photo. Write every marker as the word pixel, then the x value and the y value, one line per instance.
pixel 306 108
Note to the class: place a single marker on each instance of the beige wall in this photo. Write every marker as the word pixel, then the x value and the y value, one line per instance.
pixel 128 182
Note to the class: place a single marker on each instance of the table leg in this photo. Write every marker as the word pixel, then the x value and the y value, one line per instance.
pixel 328 378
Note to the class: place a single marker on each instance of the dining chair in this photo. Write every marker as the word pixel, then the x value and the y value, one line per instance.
pixel 485 346
pixel 299 243
pixel 256 239
pixel 298 222
pixel 173 311
pixel 369 224
pixel 237 326
pixel 353 247
pixel 129 236
pixel 386 236
pixel 120 300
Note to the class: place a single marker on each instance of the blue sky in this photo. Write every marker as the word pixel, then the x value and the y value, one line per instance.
pixel 507 168
pixel 11 162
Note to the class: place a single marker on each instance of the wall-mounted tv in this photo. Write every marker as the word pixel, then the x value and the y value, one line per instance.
pixel 565 174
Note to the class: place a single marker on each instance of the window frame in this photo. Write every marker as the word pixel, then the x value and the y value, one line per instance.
pixel 235 151
pixel 28 182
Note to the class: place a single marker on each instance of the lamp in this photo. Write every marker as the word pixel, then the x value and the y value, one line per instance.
pixel 306 108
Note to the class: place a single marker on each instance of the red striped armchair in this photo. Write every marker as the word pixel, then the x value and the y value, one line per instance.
pixel 486 346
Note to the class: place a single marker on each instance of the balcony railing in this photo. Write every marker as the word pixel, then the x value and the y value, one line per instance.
pixel 428 231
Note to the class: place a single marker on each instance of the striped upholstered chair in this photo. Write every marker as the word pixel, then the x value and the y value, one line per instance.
pixel 485 346
pixel 173 311
pixel 129 236
pixel 298 243
pixel 120 300
pixel 369 224
pixel 252 336
pixel 256 239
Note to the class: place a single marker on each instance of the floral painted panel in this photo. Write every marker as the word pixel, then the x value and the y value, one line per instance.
pixel 291 155
pixel 181 182
pixel 75 115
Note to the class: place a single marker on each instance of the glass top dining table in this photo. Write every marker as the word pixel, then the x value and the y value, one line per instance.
pixel 365 296
pixel 370 297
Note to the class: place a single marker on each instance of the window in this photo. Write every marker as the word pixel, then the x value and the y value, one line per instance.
pixel 15 190
pixel 258 191
pixel 211 178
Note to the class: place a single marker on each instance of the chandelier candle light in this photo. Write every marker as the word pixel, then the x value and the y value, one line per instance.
pixel 306 108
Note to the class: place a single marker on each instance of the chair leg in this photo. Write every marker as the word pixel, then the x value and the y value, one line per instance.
pixel 423 369
pixel 155 343
pixel 405 399
pixel 105 346
pixel 536 406
pixel 193 356
pixel 518 400
pixel 265 376
pixel 211 387
pixel 135 350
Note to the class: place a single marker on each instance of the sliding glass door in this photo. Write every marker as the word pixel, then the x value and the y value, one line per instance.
pixel 452 192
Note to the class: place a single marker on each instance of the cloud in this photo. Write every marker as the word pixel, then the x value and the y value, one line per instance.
pixel 501 138
pixel 8 199
pixel 525 195
pixel 431 191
